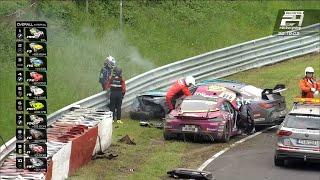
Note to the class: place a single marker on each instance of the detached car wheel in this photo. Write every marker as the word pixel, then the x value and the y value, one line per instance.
pixel 278 162
pixel 142 115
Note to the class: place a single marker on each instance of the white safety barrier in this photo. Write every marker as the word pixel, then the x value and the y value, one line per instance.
pixel 72 141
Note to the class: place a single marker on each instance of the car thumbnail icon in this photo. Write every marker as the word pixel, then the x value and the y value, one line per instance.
pixel 37 91
pixel 36 33
pixel 35 120
pixel 36 162
pixel 35 47
pixel 36 62
pixel 36 105
pixel 36 148
pixel 36 76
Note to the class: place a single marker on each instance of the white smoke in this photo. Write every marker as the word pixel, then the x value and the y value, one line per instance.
pixel 126 53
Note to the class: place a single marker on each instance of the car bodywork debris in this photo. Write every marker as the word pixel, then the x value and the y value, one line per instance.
pixel 126 139
pixel 102 156
pixel 183 173
pixel 158 125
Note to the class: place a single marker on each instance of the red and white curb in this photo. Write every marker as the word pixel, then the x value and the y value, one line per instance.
pixel 72 141
pixel 215 156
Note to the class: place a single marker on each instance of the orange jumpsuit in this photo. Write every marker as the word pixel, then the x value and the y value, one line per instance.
pixel 306 84
pixel 178 89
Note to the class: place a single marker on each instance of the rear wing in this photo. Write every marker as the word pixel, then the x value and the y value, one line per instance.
pixel 266 94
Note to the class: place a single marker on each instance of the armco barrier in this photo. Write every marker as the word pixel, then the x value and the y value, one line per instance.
pixel 215 64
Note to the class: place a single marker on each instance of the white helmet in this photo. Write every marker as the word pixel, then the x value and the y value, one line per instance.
pixel 309 70
pixel 110 61
pixel 190 81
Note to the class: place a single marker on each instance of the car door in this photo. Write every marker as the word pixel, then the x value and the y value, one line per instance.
pixel 226 108
pixel 233 116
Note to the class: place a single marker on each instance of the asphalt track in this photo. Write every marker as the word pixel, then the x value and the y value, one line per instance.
pixel 253 160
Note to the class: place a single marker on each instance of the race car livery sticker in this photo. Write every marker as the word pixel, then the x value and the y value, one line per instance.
pixel 216 88
pixel 203 94
pixel 230 96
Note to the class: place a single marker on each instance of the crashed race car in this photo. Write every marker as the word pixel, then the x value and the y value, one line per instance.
pixel 211 116
pixel 268 105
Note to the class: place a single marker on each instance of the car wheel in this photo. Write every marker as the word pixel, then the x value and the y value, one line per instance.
pixel 278 162
pixel 141 115
pixel 167 136
pixel 226 134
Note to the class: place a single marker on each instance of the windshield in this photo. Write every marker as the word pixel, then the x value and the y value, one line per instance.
pixel 252 90
pixel 197 105
pixel 302 122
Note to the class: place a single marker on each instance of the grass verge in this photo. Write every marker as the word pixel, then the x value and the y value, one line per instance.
pixel 150 158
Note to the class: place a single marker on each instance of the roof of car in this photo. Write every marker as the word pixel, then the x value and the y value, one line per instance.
pixel 198 97
pixel 210 81
pixel 159 93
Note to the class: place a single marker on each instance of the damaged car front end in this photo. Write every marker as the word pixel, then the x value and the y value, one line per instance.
pixel 149 105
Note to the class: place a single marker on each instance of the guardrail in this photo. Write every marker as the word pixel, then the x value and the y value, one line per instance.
pixel 214 64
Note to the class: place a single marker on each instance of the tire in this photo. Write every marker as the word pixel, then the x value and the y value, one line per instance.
pixel 167 136
pixel 141 115
pixel 226 134
pixel 278 162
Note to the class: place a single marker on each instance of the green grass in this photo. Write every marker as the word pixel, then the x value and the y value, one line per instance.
pixel 150 150
pixel 155 33
pixel 176 30
pixel 150 158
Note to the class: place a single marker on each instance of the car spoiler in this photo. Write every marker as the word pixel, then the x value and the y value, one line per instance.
pixel 183 115
pixel 276 90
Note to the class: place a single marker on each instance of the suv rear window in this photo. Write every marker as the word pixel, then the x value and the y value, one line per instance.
pixel 302 122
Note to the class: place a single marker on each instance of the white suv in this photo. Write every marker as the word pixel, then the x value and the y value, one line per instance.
pixel 299 134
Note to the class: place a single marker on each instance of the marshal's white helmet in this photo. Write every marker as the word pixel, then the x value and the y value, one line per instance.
pixel 190 81
pixel 309 70
pixel 110 61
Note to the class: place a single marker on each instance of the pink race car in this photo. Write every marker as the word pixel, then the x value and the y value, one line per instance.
pixel 211 111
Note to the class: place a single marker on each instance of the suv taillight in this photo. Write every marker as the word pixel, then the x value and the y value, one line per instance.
pixel 282 133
